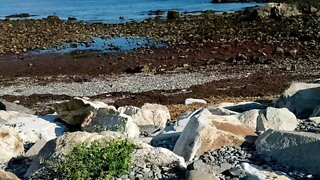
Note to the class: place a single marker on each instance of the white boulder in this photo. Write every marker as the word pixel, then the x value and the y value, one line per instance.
pixel 278 119
pixel 148 114
pixel 189 101
pixel 301 99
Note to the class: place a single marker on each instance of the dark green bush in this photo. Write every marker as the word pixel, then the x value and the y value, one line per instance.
pixel 98 160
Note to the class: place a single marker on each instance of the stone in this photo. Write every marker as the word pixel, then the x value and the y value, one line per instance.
pixel 250 118
pixel 200 175
pixel 315 119
pixel 291 149
pixel 206 132
pixel 270 118
pixel 301 99
pixel 11 144
pixel 34 150
pixel 278 119
pixel 237 172
pixel 216 169
pixel 199 165
pixel 149 114
pixel 110 119
pixel 75 111
pixel 55 150
pixel 189 101
pixel 173 14
pixel 158 156
pixel 7 175
pixel 255 172
pixel 173 131
pixel 31 128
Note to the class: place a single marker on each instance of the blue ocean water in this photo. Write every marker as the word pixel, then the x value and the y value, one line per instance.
pixel 105 45
pixel 109 11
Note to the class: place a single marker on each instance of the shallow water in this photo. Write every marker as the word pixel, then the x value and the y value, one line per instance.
pixel 109 10
pixel 105 45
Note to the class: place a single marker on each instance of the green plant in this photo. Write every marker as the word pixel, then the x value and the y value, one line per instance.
pixel 97 160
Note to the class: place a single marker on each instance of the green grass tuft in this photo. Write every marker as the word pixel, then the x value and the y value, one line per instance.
pixel 98 160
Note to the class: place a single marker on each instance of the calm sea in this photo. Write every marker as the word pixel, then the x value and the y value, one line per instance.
pixel 109 10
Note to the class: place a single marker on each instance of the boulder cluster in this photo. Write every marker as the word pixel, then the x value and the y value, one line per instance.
pixel 225 141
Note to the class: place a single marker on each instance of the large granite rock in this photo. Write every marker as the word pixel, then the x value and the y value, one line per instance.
pixel 110 119
pixel 301 99
pixel 278 119
pixel 11 144
pixel 57 149
pixel 75 111
pixel 295 149
pixel 206 132
pixel 30 127
pixel 148 114
pixel 270 118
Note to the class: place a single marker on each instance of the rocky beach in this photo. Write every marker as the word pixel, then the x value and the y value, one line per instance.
pixel 198 95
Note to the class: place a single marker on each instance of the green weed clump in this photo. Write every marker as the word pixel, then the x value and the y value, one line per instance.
pixel 97 160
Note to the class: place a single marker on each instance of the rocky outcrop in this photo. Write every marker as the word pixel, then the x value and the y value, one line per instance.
pixel 148 114
pixel 294 149
pixel 206 132
pixel 11 144
pixel 110 119
pixel 75 111
pixel 300 98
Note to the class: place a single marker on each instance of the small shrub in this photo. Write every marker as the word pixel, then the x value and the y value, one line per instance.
pixel 98 160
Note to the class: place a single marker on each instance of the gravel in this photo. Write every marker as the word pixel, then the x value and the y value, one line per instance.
pixel 234 156
pixel 127 83
pixel 308 126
